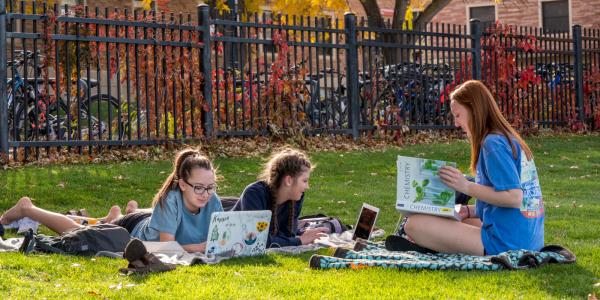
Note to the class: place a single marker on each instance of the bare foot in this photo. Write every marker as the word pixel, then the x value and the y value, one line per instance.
pixel 17 212
pixel 132 206
pixel 113 214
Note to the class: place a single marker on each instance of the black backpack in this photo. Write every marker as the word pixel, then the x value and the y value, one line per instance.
pixel 86 241
pixel 334 224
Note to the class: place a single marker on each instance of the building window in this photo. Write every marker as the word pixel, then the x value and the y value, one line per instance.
pixel 555 16
pixel 485 14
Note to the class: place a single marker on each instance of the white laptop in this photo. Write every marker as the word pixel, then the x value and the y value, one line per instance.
pixel 366 221
pixel 362 230
pixel 238 233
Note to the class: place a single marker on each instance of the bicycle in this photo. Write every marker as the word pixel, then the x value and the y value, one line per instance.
pixel 35 113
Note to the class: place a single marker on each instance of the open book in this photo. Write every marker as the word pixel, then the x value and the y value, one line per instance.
pixel 420 190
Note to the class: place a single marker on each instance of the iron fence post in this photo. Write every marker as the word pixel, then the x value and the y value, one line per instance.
pixel 3 90
pixel 577 46
pixel 476 46
pixel 207 116
pixel 352 72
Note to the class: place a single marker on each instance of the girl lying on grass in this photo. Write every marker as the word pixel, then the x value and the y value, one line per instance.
pixel 281 189
pixel 180 211
pixel 509 212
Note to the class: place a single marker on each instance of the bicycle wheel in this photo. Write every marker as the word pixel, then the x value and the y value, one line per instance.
pixel 21 116
pixel 100 118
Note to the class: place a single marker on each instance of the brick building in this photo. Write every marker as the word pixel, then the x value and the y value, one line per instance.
pixel 552 15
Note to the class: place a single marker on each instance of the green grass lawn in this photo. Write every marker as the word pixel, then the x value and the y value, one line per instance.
pixel 569 168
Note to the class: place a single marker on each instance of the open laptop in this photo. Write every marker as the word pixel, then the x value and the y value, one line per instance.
pixel 238 233
pixel 362 230
pixel 366 221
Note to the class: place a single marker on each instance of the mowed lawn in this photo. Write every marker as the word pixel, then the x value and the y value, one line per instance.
pixel 568 165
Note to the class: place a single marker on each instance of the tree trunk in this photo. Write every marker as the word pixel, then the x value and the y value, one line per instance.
pixel 390 55
pixel 374 18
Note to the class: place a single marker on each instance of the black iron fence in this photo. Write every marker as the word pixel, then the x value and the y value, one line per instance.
pixel 81 79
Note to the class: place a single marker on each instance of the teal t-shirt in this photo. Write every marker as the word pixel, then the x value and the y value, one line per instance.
pixel 173 218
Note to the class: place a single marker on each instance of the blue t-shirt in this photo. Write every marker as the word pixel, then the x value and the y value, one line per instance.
pixel 257 196
pixel 173 218
pixel 505 228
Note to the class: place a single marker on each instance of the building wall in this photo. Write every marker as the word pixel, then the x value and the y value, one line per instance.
pixel 520 12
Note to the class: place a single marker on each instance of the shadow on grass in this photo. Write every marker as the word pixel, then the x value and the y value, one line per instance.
pixel 261 260
pixel 564 281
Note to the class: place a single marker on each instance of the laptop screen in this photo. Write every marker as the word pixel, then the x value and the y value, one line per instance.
pixel 366 221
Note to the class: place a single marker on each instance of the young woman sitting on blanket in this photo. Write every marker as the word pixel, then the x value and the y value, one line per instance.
pixel 281 190
pixel 509 211
pixel 180 211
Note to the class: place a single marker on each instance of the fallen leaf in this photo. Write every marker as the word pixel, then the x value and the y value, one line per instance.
pixel 61 185
pixel 373 174
pixel 574 167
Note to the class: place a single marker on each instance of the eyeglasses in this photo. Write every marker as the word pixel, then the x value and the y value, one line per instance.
pixel 201 190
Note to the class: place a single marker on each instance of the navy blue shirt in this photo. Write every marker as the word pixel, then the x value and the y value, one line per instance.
pixel 506 228
pixel 258 196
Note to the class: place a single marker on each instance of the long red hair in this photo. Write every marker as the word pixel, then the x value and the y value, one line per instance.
pixel 485 118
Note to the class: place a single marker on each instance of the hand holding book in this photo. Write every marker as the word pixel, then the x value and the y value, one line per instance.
pixel 454 179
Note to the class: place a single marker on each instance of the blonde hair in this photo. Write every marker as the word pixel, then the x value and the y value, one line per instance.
pixel 184 162
pixel 485 118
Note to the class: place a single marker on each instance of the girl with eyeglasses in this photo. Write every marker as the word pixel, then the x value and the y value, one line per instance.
pixel 180 211
pixel 280 189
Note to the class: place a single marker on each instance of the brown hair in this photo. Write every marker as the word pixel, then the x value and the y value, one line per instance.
pixel 285 162
pixel 485 118
pixel 185 161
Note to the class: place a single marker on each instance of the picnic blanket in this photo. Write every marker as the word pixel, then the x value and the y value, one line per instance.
pixel 375 255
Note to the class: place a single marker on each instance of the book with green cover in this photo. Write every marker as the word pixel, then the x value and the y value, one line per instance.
pixel 420 190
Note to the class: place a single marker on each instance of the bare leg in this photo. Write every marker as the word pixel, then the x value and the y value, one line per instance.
pixel 24 208
pixel 113 214
pixel 444 235
pixel 132 206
